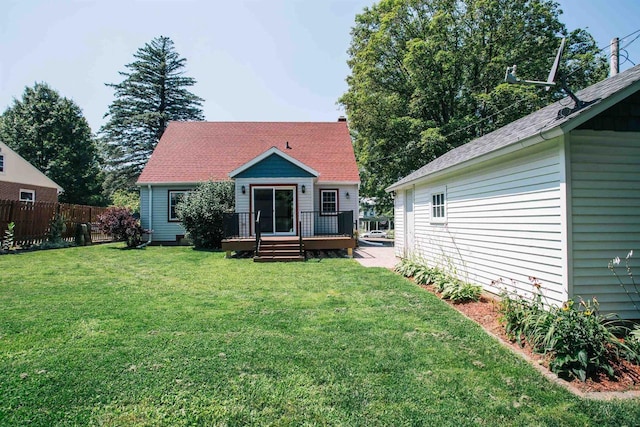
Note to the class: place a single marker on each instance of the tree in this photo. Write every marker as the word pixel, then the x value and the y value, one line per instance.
pixel 51 133
pixel 153 92
pixel 201 213
pixel 426 77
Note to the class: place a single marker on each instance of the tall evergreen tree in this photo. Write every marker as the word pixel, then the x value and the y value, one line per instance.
pixel 426 76
pixel 51 133
pixel 153 92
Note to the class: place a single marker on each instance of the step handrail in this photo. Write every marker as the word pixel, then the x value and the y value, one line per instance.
pixel 258 233
pixel 300 235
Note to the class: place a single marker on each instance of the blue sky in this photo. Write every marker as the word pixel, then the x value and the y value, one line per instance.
pixel 270 60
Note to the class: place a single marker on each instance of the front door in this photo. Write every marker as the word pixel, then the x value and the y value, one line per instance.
pixel 277 209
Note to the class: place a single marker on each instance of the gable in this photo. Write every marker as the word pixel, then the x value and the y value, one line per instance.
pixel 274 166
pixel 621 117
pixel 16 169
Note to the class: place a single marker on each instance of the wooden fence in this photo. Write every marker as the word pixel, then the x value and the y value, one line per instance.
pixel 32 220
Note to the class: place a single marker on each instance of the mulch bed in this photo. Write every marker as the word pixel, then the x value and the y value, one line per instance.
pixel 485 313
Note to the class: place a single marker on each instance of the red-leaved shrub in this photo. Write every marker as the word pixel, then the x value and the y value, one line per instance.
pixel 121 225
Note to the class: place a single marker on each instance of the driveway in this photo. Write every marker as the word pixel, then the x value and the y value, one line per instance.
pixel 375 253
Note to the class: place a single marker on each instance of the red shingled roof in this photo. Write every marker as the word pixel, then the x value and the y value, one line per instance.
pixel 202 151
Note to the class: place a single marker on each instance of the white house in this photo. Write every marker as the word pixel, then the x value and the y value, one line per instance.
pixel 553 196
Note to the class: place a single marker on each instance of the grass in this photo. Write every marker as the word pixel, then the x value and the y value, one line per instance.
pixel 173 336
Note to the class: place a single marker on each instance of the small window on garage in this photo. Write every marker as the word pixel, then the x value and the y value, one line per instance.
pixel 439 206
pixel 1 163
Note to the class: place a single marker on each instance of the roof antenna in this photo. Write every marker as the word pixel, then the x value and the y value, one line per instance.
pixel 287 146
pixel 510 77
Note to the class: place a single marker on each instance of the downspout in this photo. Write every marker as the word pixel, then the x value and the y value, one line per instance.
pixel 150 233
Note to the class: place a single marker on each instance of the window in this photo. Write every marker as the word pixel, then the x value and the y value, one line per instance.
pixel 175 197
pixel 438 207
pixel 1 163
pixel 27 195
pixel 328 202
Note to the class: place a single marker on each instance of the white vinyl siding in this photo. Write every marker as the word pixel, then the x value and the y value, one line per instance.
pixel 605 175
pixel 504 223
pixel 304 200
pixel 398 220
pixel 344 204
pixel 328 201
pixel 438 205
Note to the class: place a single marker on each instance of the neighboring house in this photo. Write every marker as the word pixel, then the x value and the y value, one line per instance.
pixel 20 180
pixel 302 177
pixel 553 196
pixel 370 218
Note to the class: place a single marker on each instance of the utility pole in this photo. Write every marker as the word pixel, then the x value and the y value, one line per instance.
pixel 614 62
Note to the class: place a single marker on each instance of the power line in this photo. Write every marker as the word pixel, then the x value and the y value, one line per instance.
pixel 455 132
pixel 514 104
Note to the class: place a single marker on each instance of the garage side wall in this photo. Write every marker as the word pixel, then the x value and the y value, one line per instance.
pixel 399 223
pixel 605 174
pixel 503 223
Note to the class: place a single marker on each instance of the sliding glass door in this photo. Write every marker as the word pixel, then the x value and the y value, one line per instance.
pixel 277 209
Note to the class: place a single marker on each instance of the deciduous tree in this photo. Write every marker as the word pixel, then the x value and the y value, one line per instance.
pixel 426 76
pixel 51 133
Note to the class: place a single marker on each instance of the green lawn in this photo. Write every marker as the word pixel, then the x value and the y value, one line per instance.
pixel 173 336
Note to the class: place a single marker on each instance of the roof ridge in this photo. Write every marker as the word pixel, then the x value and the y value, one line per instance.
pixel 527 126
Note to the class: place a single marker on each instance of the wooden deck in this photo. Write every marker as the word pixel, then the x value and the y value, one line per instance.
pixel 309 243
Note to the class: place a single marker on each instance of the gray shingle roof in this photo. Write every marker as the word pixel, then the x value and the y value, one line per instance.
pixel 541 121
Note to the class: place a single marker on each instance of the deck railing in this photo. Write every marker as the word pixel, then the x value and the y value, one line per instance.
pixel 311 223
pixel 319 224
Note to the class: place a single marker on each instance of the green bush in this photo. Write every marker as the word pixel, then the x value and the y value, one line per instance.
pixel 450 287
pixel 201 213
pixel 7 240
pixel 459 291
pixel 580 341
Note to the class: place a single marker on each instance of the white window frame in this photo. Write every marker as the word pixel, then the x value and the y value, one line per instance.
pixel 170 193
pixel 337 207
pixel 438 205
pixel 32 192
pixel 2 163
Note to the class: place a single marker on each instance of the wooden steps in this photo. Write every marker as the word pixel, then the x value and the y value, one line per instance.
pixel 279 250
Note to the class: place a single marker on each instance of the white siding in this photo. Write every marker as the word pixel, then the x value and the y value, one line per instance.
pixel 503 223
pixel 304 200
pixel 605 174
pixel 398 208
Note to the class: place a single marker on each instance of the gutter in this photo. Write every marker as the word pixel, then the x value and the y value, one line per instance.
pixel 145 244
pixel 507 149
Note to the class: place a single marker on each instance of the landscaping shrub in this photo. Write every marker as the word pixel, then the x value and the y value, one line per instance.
pixel 9 233
pixel 580 341
pixel 201 213
pixel 450 287
pixel 121 225
pixel 57 227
